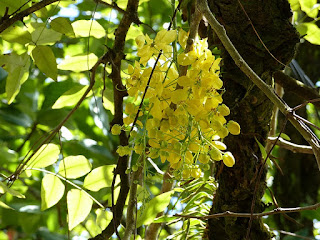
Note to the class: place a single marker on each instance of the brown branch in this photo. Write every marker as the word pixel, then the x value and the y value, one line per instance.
pixel 254 215
pixel 297 87
pixel 19 16
pixel 304 130
pixel 113 6
pixel 296 148
pixel 119 92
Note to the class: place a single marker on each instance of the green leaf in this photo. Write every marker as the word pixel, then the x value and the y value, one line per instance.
pixel 45 60
pixel 46 155
pixel 70 97
pixel 148 212
pixel 100 177
pixel 17 67
pixel 294 5
pixel 308 6
pixel 108 100
pixel 285 136
pixel 103 218
pixel 16 34
pixel 62 25
pixel 52 190
pixel 74 166
pixel 79 207
pixel 86 28
pixel 5 189
pixel 3 205
pixel 164 219
pixel 79 63
pixel 13 6
pixel 45 36
pixel 312 32
pixel 263 153
pixel 133 32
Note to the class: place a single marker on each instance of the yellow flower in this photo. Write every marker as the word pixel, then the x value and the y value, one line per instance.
pixel 116 129
pixel 233 127
pixel 228 159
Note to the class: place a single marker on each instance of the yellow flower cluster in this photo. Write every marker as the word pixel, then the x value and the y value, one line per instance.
pixel 185 117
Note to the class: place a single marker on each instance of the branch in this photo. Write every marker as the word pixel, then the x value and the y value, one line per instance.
pixel 304 130
pixel 296 148
pixel 254 215
pixel 297 87
pixel 113 6
pixel 131 218
pixel 19 16
pixel 119 93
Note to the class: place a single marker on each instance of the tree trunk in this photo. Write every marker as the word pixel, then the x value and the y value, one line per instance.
pixel 249 107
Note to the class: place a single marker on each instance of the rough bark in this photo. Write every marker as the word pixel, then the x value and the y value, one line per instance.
pixel 249 106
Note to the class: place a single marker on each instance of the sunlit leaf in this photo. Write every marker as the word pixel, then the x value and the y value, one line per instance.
pixel 79 207
pixel 108 100
pixel 62 25
pixel 16 34
pixel 100 177
pixel 5 189
pixel 86 28
pixel 308 7
pixel 294 4
pixel 311 32
pixel 52 190
pixel 148 212
pixel 45 36
pixel 74 166
pixel 45 61
pixel 3 205
pixel 285 136
pixel 45 156
pixel 79 63
pixel 13 5
pixel 70 97
pixel 133 32
pixel 17 67
pixel 103 218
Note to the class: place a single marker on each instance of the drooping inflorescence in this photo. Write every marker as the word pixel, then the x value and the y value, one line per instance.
pixel 183 115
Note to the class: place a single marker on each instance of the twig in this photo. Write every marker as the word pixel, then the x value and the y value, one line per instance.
pixel 297 87
pixel 294 235
pixel 113 6
pixel 284 214
pixel 68 181
pixel 268 91
pixel 131 219
pixel 21 166
pixel 296 148
pixel 254 215
pixel 257 34
pixel 19 16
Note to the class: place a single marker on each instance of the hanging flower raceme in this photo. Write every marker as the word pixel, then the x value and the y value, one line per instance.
pixel 184 115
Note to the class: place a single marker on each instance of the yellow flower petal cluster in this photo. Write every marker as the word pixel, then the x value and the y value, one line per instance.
pixel 184 115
